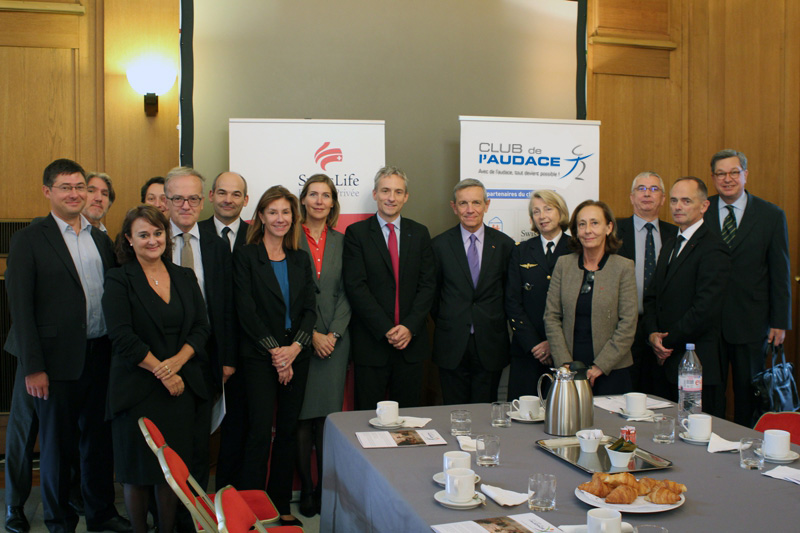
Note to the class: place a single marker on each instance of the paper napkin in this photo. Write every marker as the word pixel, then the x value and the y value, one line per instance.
pixel 467 443
pixel 503 496
pixel 718 444
pixel 785 473
pixel 415 422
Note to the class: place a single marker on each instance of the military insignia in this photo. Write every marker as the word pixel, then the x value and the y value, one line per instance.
pixel 529 265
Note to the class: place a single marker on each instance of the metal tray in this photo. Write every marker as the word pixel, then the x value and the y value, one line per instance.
pixel 569 450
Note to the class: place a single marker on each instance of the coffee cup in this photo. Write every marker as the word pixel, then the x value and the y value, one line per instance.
pixel 388 412
pixel 456 459
pixel 635 403
pixel 698 426
pixel 527 406
pixel 460 484
pixel 603 521
pixel 776 443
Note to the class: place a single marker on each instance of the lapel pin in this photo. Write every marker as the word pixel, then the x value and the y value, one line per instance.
pixel 529 265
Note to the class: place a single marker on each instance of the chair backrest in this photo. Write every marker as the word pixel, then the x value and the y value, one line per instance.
pixel 188 490
pixel 152 434
pixel 787 421
pixel 233 513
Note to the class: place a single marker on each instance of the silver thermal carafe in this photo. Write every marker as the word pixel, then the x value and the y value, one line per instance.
pixel 561 409
pixel 585 395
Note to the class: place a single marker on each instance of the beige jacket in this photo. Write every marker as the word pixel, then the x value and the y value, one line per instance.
pixel 614 311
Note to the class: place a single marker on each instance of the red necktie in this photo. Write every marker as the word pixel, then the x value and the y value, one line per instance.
pixel 396 268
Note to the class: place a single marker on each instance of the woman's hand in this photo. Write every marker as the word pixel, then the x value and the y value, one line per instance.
pixel 542 352
pixel 593 373
pixel 285 375
pixel 323 344
pixel 169 367
pixel 174 384
pixel 284 356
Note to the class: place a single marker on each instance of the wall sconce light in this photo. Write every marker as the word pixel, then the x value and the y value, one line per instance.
pixel 151 76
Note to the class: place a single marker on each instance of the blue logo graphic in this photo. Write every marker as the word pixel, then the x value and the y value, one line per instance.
pixel 496 223
pixel 577 161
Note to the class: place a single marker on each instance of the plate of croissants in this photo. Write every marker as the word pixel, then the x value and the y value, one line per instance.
pixel 626 494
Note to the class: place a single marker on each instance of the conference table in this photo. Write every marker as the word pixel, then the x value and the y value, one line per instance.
pixel 391 489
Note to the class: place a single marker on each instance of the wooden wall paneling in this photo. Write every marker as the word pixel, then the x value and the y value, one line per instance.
pixel 631 61
pixel 137 147
pixel 641 17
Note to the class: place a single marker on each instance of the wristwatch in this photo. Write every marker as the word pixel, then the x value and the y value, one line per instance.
pixel 336 335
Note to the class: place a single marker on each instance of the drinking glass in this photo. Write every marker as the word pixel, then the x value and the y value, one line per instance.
pixel 487 450
pixel 542 492
pixel 460 422
pixel 501 414
pixel 751 456
pixel 664 429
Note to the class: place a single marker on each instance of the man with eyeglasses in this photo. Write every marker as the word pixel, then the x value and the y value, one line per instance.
pixel 55 286
pixel 642 235
pixel 756 308
pixel 682 303
pixel 100 196
pixel 210 258
pixel 228 196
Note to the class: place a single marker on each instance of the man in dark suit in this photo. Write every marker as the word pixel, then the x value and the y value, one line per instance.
pixel 470 344
pixel 228 195
pixel 55 286
pixel 681 304
pixel 210 258
pixel 390 282
pixel 756 308
pixel 642 236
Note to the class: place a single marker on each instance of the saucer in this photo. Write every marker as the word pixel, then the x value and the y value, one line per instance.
pixel 477 499
pixel 686 438
pixel 439 478
pixel 785 460
pixel 376 423
pixel 647 413
pixel 514 415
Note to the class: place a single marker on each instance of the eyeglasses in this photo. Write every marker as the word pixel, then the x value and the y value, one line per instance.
pixel 652 188
pixel 178 201
pixel 66 189
pixel 734 174
pixel 588 280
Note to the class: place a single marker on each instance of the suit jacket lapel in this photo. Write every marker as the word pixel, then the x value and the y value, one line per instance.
pixel 712 215
pixel 749 218
pixel 538 254
pixel 143 291
pixel 184 292
pixel 460 255
pixel 489 249
pixel 56 239
pixel 327 258
pixel 687 249
pixel 406 240
pixel 267 275
pixel 380 243
pixel 305 247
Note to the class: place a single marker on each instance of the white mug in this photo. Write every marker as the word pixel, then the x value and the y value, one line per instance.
pixel 603 521
pixel 456 459
pixel 460 484
pixel 388 412
pixel 635 403
pixel 527 406
pixel 776 443
pixel 698 426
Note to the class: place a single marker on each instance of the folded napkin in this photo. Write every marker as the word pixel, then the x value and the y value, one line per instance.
pixel 583 528
pixel 503 496
pixel 467 443
pixel 718 444
pixel 785 473
pixel 640 418
pixel 415 422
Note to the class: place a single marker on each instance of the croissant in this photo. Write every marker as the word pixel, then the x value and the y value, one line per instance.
pixel 647 485
pixel 595 487
pixel 622 494
pixel 677 488
pixel 662 496
pixel 623 478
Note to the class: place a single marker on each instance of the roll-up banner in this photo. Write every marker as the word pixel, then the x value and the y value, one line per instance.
pixel 286 152
pixel 514 156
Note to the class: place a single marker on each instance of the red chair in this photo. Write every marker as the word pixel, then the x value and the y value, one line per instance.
pixel 152 434
pixel 787 421
pixel 199 504
pixel 235 516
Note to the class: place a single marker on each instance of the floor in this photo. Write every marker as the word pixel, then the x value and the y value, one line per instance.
pixel 33 510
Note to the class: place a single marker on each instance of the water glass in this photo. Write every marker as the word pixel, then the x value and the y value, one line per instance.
pixel 460 422
pixel 501 414
pixel 487 450
pixel 664 429
pixel 542 492
pixel 751 456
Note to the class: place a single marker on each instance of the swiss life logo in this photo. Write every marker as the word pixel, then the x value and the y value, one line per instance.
pixel 324 155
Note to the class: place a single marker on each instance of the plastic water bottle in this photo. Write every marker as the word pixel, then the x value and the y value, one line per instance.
pixel 690 384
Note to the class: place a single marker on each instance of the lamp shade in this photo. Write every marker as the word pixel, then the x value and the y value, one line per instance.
pixel 151 75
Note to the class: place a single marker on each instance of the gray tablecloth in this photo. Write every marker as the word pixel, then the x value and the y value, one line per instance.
pixel 391 489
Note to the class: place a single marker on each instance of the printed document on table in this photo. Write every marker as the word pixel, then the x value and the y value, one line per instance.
pixel 616 404
pixel 399 437
pixel 519 523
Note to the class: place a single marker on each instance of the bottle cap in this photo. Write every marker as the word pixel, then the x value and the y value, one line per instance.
pixel 689 347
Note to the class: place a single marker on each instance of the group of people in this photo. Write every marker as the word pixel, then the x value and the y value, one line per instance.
pixel 178 311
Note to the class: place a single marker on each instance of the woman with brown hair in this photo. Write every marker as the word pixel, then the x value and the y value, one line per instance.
pixel 275 299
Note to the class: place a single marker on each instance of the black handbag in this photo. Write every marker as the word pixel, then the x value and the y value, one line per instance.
pixel 775 388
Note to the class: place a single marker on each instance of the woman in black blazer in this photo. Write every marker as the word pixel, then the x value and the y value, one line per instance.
pixel 275 300
pixel 529 271
pixel 157 324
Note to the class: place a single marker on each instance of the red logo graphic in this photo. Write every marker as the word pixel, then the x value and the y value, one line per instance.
pixel 325 155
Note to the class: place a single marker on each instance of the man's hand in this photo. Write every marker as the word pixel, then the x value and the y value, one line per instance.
pixel 776 336
pixel 38 385
pixel 399 336
pixel 656 341
pixel 227 372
